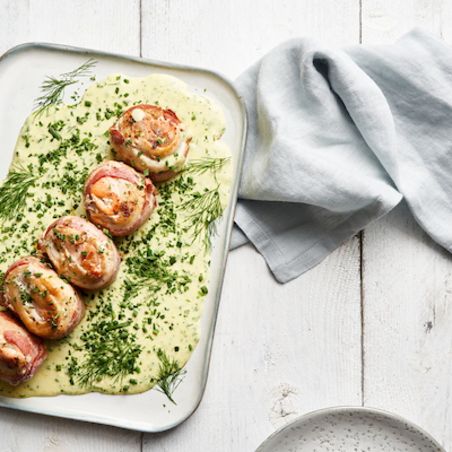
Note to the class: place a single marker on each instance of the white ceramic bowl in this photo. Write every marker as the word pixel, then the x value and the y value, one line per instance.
pixel 350 429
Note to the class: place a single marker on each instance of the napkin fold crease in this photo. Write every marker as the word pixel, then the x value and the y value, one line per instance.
pixel 337 137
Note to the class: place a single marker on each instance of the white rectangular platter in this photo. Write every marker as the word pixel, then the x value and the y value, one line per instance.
pixel 22 71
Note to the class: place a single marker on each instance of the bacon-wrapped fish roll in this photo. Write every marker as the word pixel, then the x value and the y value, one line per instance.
pixel 48 306
pixel 150 138
pixel 21 353
pixel 118 198
pixel 80 252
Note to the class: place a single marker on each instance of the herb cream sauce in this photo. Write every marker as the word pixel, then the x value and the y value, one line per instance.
pixel 146 324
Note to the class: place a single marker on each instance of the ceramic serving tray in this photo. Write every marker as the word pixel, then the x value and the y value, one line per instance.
pixel 22 72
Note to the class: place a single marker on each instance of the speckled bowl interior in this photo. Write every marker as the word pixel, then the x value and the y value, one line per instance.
pixel 346 429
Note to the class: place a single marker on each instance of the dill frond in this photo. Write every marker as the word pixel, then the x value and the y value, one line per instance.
pixel 53 88
pixel 133 288
pixel 113 352
pixel 152 272
pixel 204 208
pixel 202 211
pixel 211 164
pixel 14 191
pixel 170 375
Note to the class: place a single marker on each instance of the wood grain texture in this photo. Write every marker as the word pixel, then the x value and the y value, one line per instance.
pixel 112 26
pixel 407 318
pixel 385 21
pixel 230 36
pixel 279 351
pixel 25 432
pixel 407 277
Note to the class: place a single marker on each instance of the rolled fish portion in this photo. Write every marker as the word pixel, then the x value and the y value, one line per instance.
pixel 150 139
pixel 80 252
pixel 21 353
pixel 48 306
pixel 118 198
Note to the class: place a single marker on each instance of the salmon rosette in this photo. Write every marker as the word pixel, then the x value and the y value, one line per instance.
pixel 21 353
pixel 118 198
pixel 151 139
pixel 48 306
pixel 81 252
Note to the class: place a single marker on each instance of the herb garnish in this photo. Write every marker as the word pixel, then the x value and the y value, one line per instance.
pixel 14 191
pixel 170 375
pixel 112 351
pixel 53 88
pixel 201 166
pixel 202 211
pixel 151 271
pixel 205 207
pixel 73 144
pixel 72 181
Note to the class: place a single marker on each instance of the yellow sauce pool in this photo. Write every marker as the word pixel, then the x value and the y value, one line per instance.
pixel 146 324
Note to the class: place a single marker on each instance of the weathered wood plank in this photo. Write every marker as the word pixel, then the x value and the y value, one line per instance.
pixel 385 21
pixel 230 37
pixel 279 351
pixel 407 317
pixel 112 26
pixel 407 277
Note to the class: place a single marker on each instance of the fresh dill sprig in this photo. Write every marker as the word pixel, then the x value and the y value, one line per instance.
pixel 53 88
pixel 204 208
pixel 14 191
pixel 211 164
pixel 202 211
pixel 170 375
pixel 152 272
pixel 112 351
pixel 133 288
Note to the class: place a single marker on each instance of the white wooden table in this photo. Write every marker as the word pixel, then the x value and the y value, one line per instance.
pixel 371 325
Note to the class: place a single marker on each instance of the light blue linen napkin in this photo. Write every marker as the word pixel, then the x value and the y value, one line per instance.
pixel 337 138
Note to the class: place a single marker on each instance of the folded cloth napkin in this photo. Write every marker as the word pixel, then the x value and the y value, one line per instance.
pixel 337 138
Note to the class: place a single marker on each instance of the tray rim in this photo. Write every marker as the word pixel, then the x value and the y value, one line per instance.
pixel 233 195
